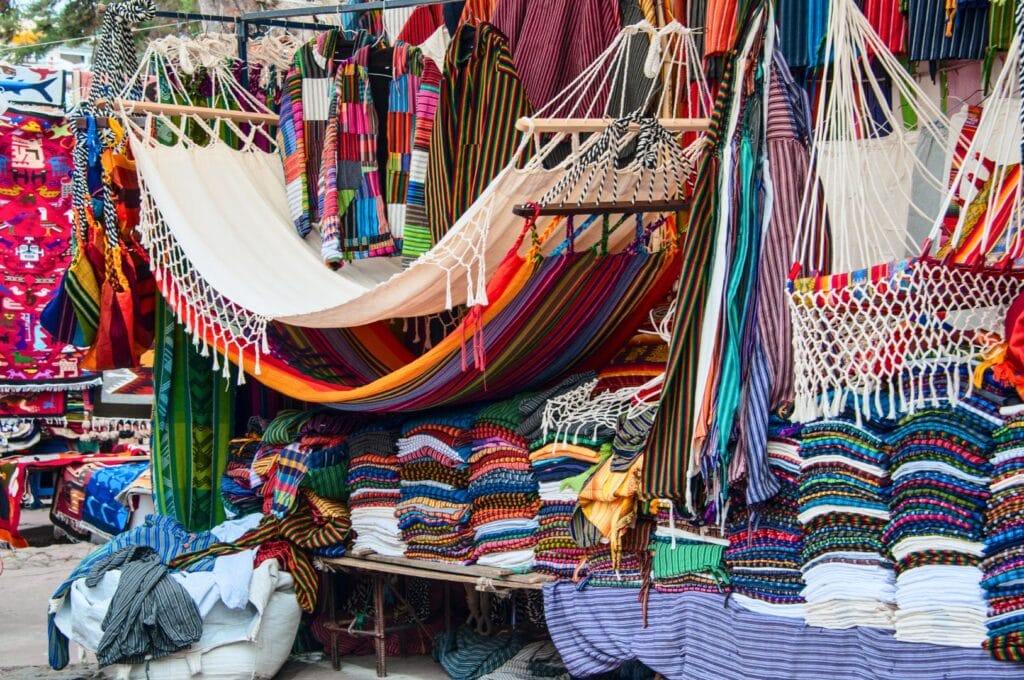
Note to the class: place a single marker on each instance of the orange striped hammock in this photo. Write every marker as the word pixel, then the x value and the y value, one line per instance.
pixel 548 315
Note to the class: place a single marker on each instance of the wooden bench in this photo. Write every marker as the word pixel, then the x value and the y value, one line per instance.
pixel 486 579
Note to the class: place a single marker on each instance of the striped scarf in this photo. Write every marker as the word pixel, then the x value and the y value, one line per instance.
pixel 300 531
pixel 665 473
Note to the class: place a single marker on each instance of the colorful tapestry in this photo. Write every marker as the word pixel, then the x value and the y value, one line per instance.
pixel 192 424
pixel 32 405
pixel 68 509
pixel 128 386
pixel 35 237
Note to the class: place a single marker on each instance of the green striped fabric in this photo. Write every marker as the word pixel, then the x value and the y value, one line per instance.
pixel 1001 24
pixel 192 425
pixel 474 134
pixel 668 449
pixel 329 482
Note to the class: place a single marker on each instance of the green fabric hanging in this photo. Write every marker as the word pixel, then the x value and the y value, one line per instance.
pixel 192 425
pixel 741 279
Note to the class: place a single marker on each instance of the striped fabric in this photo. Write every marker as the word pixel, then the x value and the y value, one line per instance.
pixel 193 417
pixel 802 25
pixel 477 11
pixel 738 295
pixel 474 130
pixel 889 22
pixel 1020 37
pixel 1001 24
pixel 762 484
pixel 787 140
pixel 552 42
pixel 151 615
pixel 300 531
pixel 422 24
pixel 305 107
pixel 697 18
pixel 936 33
pixel 292 465
pixel 668 449
pixel 407 69
pixel 700 635
pixel 720 26
pixel 544 320
pixel 357 205
pixel 416 235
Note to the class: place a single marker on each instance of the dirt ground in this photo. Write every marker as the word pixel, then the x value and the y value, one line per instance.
pixel 30 576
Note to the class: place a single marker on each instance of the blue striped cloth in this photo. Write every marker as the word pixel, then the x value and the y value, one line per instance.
pixel 926 31
pixel 700 635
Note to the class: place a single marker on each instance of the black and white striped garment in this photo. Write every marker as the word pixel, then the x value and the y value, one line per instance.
pixel 115 61
pixel 927 38
pixel 150 616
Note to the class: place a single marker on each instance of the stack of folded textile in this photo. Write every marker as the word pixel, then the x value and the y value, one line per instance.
pixel 502 489
pixel 1003 566
pixel 764 554
pixel 843 511
pixel 557 551
pixel 602 572
pixel 940 476
pixel 560 463
pixel 374 483
pixel 433 512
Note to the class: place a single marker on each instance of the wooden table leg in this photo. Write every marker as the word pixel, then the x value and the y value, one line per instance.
pixel 332 615
pixel 447 607
pixel 379 639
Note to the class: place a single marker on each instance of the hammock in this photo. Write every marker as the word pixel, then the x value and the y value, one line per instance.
pixel 229 281
pixel 900 290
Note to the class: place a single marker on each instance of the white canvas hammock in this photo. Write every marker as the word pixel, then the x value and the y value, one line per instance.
pixel 226 256
pixel 885 321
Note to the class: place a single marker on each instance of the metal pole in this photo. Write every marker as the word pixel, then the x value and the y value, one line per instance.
pixel 339 9
pixel 242 36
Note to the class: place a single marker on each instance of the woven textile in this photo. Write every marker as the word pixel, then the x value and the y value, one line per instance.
pixel 700 635
pixel 192 422
pixel 1004 558
pixel 361 203
pixel 305 107
pixel 434 507
pixel 844 511
pixel 474 133
pixel 940 472
pixel 35 198
pixel 934 32
pixel 416 235
pixel 163 534
pixel 765 545
pixel 502 489
pixel 552 43
pixel 302 532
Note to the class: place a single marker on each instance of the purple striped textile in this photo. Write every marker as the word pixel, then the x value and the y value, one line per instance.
pixel 702 635
pixel 553 41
